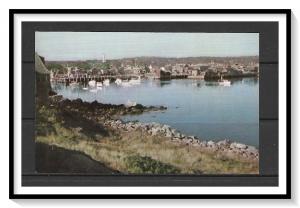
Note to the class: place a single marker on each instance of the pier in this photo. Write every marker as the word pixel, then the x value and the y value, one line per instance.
pixel 86 78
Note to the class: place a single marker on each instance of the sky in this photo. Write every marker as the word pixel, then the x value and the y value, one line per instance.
pixel 92 45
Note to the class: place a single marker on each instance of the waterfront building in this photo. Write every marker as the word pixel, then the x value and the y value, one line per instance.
pixel 162 73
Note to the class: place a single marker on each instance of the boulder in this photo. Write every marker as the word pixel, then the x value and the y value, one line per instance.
pixel 225 142
pixel 238 145
pixel 56 98
pixel 169 134
pixel 252 150
pixel 177 134
pixel 203 143
pixel 154 131
pixel 211 144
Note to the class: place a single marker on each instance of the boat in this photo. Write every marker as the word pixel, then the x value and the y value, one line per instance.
pixel 130 103
pixel 224 82
pixel 99 84
pixel 106 82
pixel 92 83
pixel 85 88
pixel 118 81
pixel 135 81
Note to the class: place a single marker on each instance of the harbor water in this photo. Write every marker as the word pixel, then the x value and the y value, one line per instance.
pixel 195 107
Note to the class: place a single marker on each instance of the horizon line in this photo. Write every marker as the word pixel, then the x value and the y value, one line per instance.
pixel 164 57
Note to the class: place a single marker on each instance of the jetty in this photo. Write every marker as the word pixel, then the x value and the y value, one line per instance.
pixel 84 78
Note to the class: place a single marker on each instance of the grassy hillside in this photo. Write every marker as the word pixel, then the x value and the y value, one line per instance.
pixel 132 152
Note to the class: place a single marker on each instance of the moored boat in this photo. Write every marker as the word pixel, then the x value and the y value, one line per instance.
pixel 92 83
pixel 224 82
pixel 106 82
pixel 118 81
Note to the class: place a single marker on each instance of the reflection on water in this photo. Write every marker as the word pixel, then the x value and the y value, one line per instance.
pixel 195 107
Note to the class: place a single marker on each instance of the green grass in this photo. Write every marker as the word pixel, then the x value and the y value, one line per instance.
pixel 146 165
pixel 137 152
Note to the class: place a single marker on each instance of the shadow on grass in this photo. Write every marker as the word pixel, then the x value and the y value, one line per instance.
pixel 52 159
pixel 88 127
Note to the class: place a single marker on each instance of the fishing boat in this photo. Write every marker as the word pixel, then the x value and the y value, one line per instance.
pixel 118 81
pixel 224 82
pixel 92 83
pixel 130 103
pixel 99 84
pixel 106 82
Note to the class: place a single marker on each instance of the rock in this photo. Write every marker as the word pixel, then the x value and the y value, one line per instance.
pixel 203 143
pixel 177 134
pixel 139 106
pixel 211 144
pixel 222 143
pixel 252 150
pixel 238 145
pixel 165 127
pixel 191 137
pixel 176 139
pixel 154 131
pixel 56 98
pixel 186 140
pixel 169 134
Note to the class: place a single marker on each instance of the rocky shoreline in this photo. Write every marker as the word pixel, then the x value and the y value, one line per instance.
pixel 226 146
pixel 100 110
pixel 108 114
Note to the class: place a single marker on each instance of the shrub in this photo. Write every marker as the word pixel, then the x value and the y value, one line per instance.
pixel 139 164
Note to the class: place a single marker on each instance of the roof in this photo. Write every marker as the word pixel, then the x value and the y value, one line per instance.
pixel 39 65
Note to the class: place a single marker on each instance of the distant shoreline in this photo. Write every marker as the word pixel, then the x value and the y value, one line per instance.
pixel 256 57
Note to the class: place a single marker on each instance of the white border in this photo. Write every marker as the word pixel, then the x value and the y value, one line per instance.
pixel 281 189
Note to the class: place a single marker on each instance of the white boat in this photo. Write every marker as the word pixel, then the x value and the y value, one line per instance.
pixel 85 88
pixel 118 81
pixel 130 103
pixel 135 81
pixel 106 82
pixel 99 84
pixel 92 83
pixel 224 82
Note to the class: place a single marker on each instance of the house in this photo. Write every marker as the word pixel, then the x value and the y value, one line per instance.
pixel 162 74
pixel 195 72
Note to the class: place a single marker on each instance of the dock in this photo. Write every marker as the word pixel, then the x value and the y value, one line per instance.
pixel 86 78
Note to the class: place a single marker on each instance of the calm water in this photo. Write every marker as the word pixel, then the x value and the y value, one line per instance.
pixel 195 107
